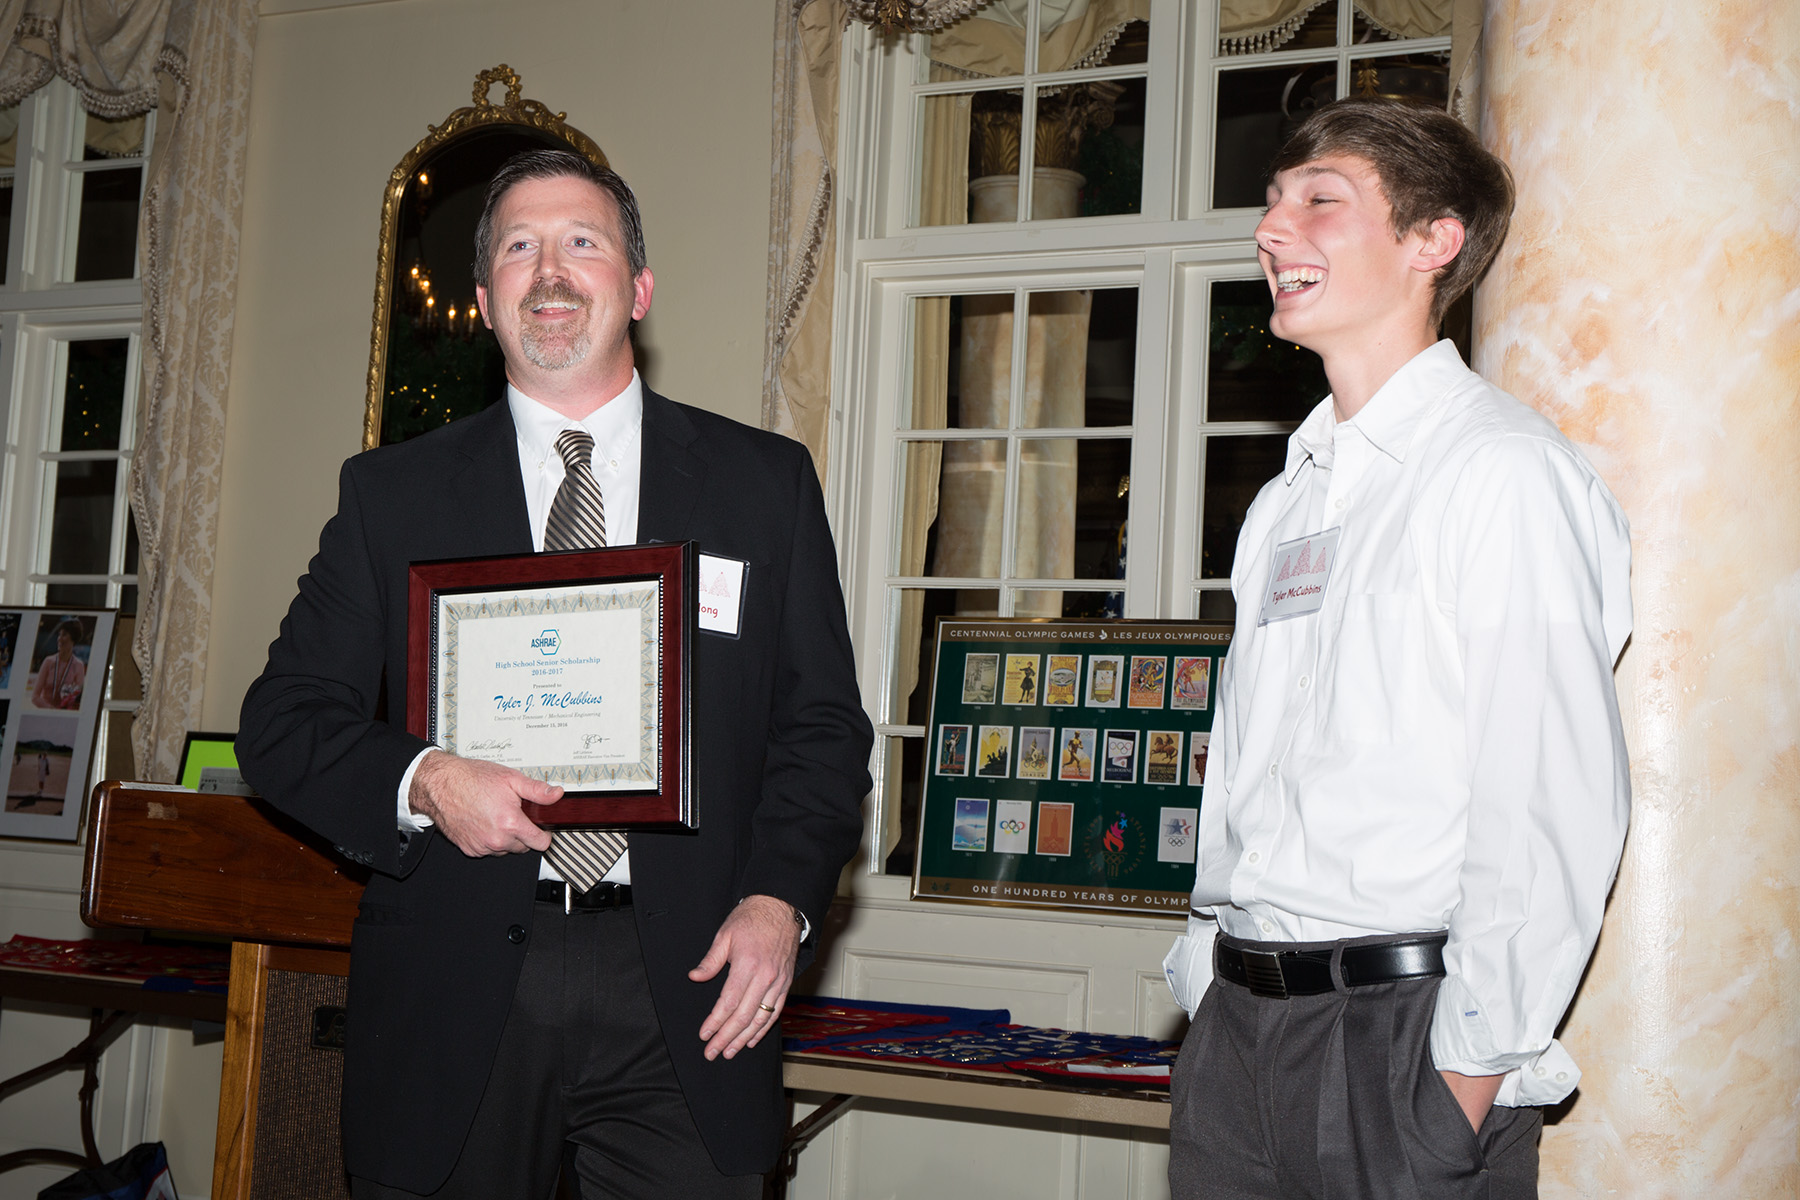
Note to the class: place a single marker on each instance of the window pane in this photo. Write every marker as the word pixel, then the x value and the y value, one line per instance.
pixel 952 497
pixel 915 613
pixel 1084 35
pixel 1258 108
pixel 6 208
pixel 102 138
pixel 1217 604
pixel 1422 77
pixel 988 42
pixel 1252 375
pixel 1089 150
pixel 962 362
pixel 127 680
pixel 1080 358
pixel 1395 21
pixel 81 520
pixel 1251 33
pixel 75 595
pixel 1236 469
pixel 94 394
pixel 119 763
pixel 1072 505
pixel 905 784
pixel 943 179
pixel 1068 603
pixel 995 121
pixel 106 231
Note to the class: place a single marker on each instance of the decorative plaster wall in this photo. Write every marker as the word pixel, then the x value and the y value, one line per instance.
pixel 1647 299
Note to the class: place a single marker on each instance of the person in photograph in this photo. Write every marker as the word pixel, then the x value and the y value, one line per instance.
pixel 61 676
pixel 1420 790
pixel 515 998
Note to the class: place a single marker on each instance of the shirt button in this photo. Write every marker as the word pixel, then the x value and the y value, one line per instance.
pixel 1255 857
pixel 1266 927
pixel 1274 770
pixel 1305 680
pixel 1339 502
pixel 613 463
pixel 516 934
pixel 1562 1077
pixel 1541 1072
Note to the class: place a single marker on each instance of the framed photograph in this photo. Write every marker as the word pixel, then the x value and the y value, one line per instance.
pixel 1012 827
pixel 1106 680
pixel 573 668
pixel 981 678
pixel 1021 687
pixel 953 750
pixel 1056 828
pixel 209 764
pixel 970 829
pixel 1062 680
pixel 1075 756
pixel 1196 759
pixel 1192 683
pixel 1118 763
pixel 993 754
pixel 1037 746
pixel 1149 679
pixel 52 672
pixel 1162 762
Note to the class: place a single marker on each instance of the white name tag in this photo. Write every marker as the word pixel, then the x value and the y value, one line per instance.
pixel 722 594
pixel 1298 571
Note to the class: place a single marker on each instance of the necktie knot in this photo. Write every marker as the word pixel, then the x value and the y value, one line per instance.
pixel 576 447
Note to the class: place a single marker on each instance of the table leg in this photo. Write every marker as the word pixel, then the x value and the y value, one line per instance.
pixel 103 1027
pixel 795 1140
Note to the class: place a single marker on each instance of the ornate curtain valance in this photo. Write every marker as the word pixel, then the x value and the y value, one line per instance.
pixel 1071 34
pixel 1258 26
pixel 110 50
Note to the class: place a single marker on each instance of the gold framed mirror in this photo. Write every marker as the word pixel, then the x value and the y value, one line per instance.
pixel 430 358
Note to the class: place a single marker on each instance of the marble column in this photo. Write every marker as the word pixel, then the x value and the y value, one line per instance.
pixel 1647 299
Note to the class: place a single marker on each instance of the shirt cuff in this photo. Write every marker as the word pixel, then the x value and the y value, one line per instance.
pixel 1462 1040
pixel 408 820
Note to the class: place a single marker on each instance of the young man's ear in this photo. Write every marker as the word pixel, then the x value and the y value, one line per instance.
pixel 1441 242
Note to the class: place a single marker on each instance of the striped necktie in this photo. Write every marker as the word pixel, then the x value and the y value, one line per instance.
pixel 578 522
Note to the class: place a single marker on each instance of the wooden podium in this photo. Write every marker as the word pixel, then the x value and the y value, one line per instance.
pixel 201 863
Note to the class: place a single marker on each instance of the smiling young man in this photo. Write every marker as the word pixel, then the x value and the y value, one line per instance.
pixel 516 1002
pixel 1417 789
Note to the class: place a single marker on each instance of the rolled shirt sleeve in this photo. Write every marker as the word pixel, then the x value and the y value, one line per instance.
pixel 1537 556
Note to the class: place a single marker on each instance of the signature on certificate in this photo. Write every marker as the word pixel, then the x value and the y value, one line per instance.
pixel 587 742
pixel 490 745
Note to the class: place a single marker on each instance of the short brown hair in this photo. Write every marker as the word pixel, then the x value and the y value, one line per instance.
pixel 555 164
pixel 1430 166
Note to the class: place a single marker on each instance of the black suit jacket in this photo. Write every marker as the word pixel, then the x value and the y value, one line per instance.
pixel 780 754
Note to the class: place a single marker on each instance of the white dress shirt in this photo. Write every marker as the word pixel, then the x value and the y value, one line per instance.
pixel 1438 746
pixel 617 428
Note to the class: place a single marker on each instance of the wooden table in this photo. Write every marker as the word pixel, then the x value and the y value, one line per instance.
pixel 113 1005
pixel 846 1081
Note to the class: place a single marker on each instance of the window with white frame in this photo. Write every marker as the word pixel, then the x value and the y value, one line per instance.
pixel 71 319
pixel 1060 389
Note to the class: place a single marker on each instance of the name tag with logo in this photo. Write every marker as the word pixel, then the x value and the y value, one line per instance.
pixel 722 594
pixel 1298 572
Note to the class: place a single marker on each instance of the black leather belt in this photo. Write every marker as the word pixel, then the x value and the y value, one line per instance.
pixel 1283 973
pixel 601 895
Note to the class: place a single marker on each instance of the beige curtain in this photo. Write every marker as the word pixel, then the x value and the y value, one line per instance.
pixel 190 60
pixel 802 234
pixel 192 210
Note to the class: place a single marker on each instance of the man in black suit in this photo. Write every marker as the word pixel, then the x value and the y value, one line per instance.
pixel 498 1016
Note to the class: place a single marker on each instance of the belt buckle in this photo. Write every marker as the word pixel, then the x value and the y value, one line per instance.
pixel 1262 970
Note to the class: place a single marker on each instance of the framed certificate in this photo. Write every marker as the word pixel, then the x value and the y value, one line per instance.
pixel 571 667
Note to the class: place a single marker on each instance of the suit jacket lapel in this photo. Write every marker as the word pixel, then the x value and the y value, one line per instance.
pixel 670 473
pixel 487 486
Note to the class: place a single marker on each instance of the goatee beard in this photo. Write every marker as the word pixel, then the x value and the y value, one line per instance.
pixel 554 350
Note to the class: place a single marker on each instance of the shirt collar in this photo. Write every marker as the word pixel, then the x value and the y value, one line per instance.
pixel 1392 415
pixel 612 425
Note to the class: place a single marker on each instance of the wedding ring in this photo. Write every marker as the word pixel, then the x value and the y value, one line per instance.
pixel 765 1008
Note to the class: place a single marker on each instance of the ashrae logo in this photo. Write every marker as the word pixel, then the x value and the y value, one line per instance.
pixel 546 642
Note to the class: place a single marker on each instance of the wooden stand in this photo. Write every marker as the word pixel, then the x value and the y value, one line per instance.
pixel 226 866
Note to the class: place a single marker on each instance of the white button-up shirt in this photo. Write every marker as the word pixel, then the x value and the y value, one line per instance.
pixel 617 428
pixel 1438 746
